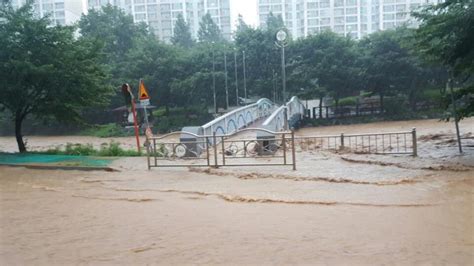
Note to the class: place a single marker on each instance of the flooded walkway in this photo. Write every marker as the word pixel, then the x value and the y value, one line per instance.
pixel 336 209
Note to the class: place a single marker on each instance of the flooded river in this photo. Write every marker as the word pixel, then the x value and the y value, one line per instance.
pixel 335 209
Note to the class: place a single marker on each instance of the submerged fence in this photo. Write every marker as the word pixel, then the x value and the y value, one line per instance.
pixel 185 149
pixel 362 109
pixel 377 143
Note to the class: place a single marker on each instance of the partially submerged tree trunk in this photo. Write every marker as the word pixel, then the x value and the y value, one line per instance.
pixel 19 137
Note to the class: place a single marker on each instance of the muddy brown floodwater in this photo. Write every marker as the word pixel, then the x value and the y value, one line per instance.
pixel 335 209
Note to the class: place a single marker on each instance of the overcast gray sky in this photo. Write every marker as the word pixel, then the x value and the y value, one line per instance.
pixel 247 8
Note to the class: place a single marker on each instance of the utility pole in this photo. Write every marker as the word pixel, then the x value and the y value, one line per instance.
pixel 214 81
pixel 236 80
pixel 245 77
pixel 226 87
pixel 274 86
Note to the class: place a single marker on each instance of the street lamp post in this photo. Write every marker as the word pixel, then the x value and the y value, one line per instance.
pixel 245 77
pixel 274 86
pixel 214 81
pixel 281 37
pixel 226 87
pixel 236 80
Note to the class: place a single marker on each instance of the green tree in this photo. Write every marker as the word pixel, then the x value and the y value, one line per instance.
pixel 209 31
pixel 182 34
pixel 330 59
pixel 117 35
pixel 388 67
pixel 446 36
pixel 113 28
pixel 263 57
pixel 159 65
pixel 45 71
pixel 274 23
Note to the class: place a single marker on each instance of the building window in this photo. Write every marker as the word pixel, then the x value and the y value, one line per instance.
pixel 339 12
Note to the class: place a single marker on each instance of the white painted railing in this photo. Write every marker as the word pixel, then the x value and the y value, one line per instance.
pixel 285 116
pixel 239 118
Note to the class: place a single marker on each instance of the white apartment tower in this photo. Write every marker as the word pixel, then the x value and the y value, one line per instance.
pixel 61 12
pixel 355 18
pixel 161 15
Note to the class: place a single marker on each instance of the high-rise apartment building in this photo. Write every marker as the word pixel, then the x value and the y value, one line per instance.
pixel 161 15
pixel 61 12
pixel 355 18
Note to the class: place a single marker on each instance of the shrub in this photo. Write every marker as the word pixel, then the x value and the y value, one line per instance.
pixel 111 149
pixel 348 101
pixel 106 131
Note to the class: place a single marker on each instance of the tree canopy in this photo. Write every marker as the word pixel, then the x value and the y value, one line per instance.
pixel 208 30
pixel 446 36
pixel 45 71
pixel 182 34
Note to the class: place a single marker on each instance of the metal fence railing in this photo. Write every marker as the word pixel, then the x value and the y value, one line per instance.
pixel 185 149
pixel 362 109
pixel 377 143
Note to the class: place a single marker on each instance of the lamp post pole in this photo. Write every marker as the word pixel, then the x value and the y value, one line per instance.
pixel 281 37
pixel 274 86
pixel 245 77
pixel 236 80
pixel 226 85
pixel 214 81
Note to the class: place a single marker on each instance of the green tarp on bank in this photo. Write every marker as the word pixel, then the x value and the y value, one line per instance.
pixel 59 160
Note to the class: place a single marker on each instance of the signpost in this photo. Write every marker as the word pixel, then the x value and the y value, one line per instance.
pixel 130 99
pixel 144 100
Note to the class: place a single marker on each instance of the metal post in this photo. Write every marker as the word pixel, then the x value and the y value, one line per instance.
pixel 148 155
pixel 215 149
pixel 135 123
pixel 283 71
pixel 214 81
pixel 207 152
pixel 154 153
pixel 284 148
pixel 274 86
pixel 293 152
pixel 455 114
pixel 236 80
pixel 415 147
pixel 226 86
pixel 342 141
pixel 223 151
pixel 245 77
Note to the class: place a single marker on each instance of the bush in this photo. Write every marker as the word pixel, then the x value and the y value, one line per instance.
pixel 111 149
pixel 106 131
pixel 348 101
pixel 396 107
pixel 79 149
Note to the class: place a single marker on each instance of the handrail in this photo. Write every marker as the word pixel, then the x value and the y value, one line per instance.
pixel 179 133
pixel 218 119
pixel 257 129
pixel 210 136
pixel 273 115
pixel 353 135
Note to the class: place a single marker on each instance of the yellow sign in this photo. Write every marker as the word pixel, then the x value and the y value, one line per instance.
pixel 142 92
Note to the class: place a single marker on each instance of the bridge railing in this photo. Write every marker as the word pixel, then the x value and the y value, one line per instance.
pixel 285 116
pixel 239 118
